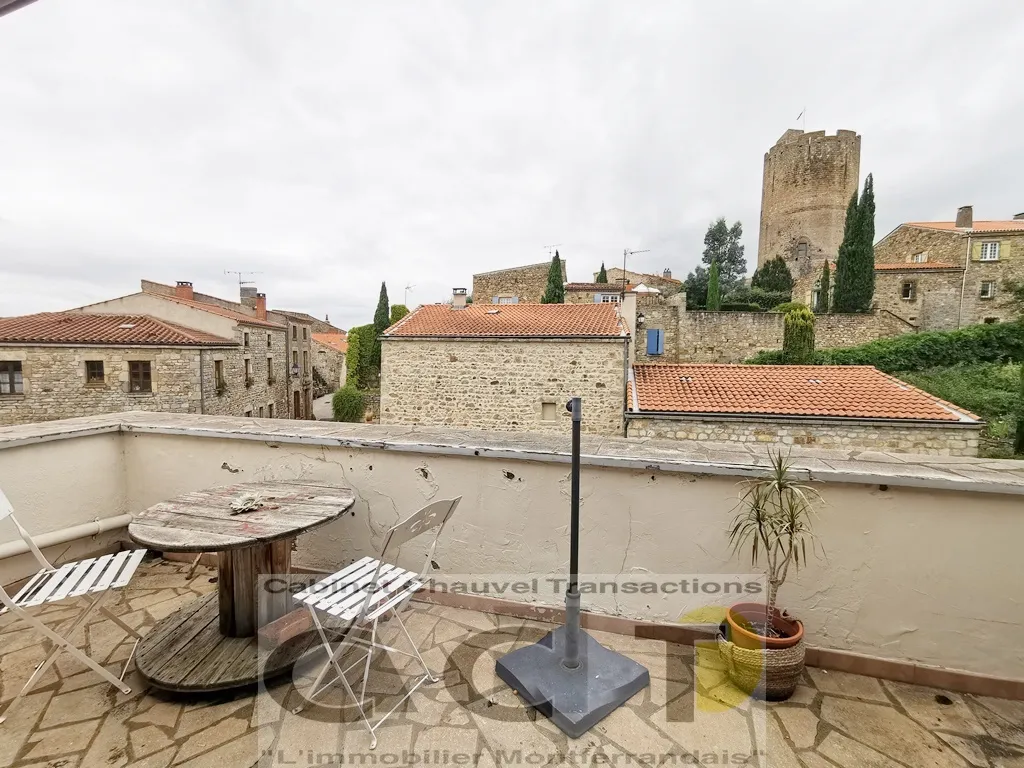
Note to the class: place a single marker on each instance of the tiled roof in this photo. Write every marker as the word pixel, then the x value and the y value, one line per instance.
pixel 336 341
pixel 852 391
pixel 1013 225
pixel 521 320
pixel 88 328
pixel 904 266
pixel 238 317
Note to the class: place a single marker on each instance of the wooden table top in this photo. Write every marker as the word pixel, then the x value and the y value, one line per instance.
pixel 202 521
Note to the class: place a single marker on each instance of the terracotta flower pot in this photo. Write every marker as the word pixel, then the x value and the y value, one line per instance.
pixel 764 667
pixel 742 618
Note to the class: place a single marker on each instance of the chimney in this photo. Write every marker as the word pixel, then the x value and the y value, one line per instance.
pixel 965 217
pixel 627 311
pixel 1019 217
pixel 261 306
pixel 458 298
pixel 667 273
pixel 246 292
pixel 183 290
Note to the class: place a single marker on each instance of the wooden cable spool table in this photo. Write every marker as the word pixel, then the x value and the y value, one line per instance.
pixel 212 644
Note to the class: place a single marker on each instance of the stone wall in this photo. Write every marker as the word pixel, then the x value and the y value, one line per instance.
pixel 55 385
pixel 824 433
pixel 503 384
pixel 1009 267
pixel 667 285
pixel 663 315
pixel 807 184
pixel 907 241
pixel 330 364
pixel 524 283
pixel 267 357
pixel 936 302
pixel 850 330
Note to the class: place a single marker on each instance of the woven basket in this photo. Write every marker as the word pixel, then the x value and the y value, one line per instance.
pixel 764 673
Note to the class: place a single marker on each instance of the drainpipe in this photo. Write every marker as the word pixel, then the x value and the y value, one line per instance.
pixel 64 535
pixel 963 284
pixel 202 394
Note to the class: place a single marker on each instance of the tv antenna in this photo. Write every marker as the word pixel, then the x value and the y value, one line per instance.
pixel 550 247
pixel 241 282
pixel 405 298
pixel 626 252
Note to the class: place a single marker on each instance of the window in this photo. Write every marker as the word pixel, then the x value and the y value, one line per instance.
pixel 908 291
pixel 655 341
pixel 920 258
pixel 245 339
pixel 218 375
pixel 988 289
pixel 505 300
pixel 802 248
pixel 304 332
pixel 260 411
pixel 990 251
pixel 11 382
pixel 140 376
pixel 305 361
pixel 270 410
pixel 248 413
pixel 248 372
pixel 295 357
pixel 295 332
pixel 94 372
pixel 269 338
pixel 606 298
pixel 270 370
pixel 548 411
pixel 991 320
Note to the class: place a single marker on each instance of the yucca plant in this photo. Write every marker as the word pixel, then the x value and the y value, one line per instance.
pixel 773 523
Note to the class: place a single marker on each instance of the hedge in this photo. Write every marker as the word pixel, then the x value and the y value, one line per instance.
pixel 347 404
pixel 996 343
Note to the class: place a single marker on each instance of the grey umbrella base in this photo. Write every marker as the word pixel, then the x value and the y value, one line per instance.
pixel 574 699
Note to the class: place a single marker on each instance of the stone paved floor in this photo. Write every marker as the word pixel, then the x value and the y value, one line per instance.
pixel 471 718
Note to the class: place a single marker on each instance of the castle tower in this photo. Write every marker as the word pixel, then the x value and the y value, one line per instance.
pixel 808 181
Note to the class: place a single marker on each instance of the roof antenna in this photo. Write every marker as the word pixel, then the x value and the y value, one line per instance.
pixel 551 248
pixel 626 252
pixel 241 282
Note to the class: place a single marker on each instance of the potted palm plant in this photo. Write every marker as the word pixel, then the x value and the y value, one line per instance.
pixel 762 645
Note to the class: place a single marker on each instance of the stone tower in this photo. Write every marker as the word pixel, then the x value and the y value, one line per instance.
pixel 808 181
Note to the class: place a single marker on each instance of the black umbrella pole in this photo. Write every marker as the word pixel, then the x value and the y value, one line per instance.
pixel 572 593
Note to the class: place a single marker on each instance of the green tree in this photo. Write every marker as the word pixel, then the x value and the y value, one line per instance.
pixel 824 289
pixel 554 293
pixel 696 287
pixel 398 311
pixel 722 244
pixel 362 372
pixel 353 356
pixel 1018 443
pixel 381 320
pixel 773 275
pixel 798 337
pixel 714 292
pixel 348 404
pixel 602 276
pixel 855 265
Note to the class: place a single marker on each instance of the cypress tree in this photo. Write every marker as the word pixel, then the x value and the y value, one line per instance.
pixel 855 265
pixel 798 337
pixel 554 293
pixel 381 320
pixel 866 252
pixel 714 291
pixel 846 262
pixel 823 291
pixel 602 276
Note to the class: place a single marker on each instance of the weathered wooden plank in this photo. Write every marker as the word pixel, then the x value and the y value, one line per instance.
pixel 226 593
pixel 156 654
pixel 180 665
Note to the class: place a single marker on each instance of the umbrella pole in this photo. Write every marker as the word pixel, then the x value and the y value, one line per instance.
pixel 572 593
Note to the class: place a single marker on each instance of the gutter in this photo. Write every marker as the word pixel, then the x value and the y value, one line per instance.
pixel 963 284
pixel 65 535
pixel 732 416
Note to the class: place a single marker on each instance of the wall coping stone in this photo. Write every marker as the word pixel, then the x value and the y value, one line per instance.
pixel 858 466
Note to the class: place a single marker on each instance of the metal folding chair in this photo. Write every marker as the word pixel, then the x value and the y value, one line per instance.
pixel 361 594
pixel 97 577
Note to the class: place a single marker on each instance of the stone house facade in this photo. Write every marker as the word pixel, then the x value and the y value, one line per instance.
pixel 329 351
pixel 508 368
pixel 63 365
pixel 664 283
pixel 516 284
pixel 821 406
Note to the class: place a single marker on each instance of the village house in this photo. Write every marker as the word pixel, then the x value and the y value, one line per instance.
pixel 825 406
pixel 506 367
pixel 329 352
pixel 511 286
pixel 663 283
pixel 58 365
pixel 268 373
pixel 603 293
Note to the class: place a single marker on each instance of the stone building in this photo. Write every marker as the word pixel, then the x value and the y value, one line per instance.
pixel 329 351
pixel 506 368
pixel 825 406
pixel 270 370
pixel 806 187
pixel 603 293
pixel 942 275
pixel 663 283
pixel 513 285
pixel 59 365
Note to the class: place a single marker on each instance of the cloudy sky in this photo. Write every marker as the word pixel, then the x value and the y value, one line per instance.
pixel 333 144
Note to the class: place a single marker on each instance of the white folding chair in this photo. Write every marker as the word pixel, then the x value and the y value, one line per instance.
pixel 97 576
pixel 363 592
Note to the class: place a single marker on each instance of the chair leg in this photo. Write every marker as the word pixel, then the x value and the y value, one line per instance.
pixel 366 667
pixel 430 675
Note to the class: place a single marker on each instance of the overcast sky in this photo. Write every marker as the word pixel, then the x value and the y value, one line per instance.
pixel 332 144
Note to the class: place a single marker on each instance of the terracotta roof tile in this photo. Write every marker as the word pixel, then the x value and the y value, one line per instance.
pixel 1012 225
pixel 336 341
pixel 88 328
pixel 523 320
pixel 905 266
pixel 853 391
pixel 238 317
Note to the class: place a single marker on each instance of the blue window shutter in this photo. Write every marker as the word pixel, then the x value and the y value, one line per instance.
pixel 494 299
pixel 652 341
pixel 661 342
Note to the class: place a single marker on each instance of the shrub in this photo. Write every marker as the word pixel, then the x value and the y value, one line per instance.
pixel 764 299
pixel 798 337
pixel 714 290
pixel 788 306
pixel 731 307
pixel 347 404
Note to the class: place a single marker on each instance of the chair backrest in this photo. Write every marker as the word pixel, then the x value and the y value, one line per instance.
pixel 7 510
pixel 432 517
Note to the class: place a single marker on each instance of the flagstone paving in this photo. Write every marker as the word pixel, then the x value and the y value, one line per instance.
pixel 470 718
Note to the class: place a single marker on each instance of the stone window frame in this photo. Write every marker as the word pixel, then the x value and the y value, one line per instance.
pixel 990 294
pixel 553 402
pixel 245 339
pixel 270 370
pixel 295 333
pixel 220 379
pixel 919 258
pixel 989 247
pixel 8 371
pixel 247 378
pixel 270 340
pixel 270 410
pixel 259 411
pixel 94 381
pixel 912 284
pixel 247 413
pixel 143 379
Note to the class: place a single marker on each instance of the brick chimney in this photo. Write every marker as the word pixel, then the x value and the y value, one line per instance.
pixel 261 306
pixel 965 217
pixel 458 298
pixel 183 290
pixel 667 273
